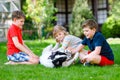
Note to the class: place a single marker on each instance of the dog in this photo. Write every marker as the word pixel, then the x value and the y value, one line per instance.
pixel 56 58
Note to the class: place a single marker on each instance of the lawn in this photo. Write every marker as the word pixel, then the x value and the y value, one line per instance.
pixel 74 72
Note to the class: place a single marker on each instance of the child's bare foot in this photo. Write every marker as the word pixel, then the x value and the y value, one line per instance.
pixel 7 63
pixel 10 63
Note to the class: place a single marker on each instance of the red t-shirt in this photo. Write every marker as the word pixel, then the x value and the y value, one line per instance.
pixel 12 32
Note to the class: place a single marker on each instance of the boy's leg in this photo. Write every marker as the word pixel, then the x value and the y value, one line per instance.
pixel 14 63
pixel 30 61
pixel 105 61
pixel 93 59
pixel 22 58
pixel 100 60
pixel 82 54
pixel 33 60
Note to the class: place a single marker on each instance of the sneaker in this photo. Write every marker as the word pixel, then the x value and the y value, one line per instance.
pixel 86 64
pixel 79 62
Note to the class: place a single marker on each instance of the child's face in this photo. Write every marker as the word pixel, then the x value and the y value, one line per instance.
pixel 19 22
pixel 89 33
pixel 60 36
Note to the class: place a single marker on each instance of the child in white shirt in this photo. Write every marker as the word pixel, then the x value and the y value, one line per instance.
pixel 65 39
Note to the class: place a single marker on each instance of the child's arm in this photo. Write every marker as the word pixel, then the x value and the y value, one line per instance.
pixel 78 49
pixel 65 44
pixel 57 45
pixel 22 47
pixel 96 51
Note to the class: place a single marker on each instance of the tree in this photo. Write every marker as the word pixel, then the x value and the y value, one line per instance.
pixel 114 9
pixel 81 12
pixel 41 12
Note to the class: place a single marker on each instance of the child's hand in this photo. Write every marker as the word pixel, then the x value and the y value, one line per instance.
pixel 71 50
pixel 84 59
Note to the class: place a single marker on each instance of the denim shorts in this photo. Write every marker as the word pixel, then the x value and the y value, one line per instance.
pixel 18 57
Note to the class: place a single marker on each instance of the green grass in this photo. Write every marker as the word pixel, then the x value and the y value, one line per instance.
pixel 74 72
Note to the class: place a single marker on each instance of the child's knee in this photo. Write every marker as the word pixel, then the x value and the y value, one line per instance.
pixel 93 59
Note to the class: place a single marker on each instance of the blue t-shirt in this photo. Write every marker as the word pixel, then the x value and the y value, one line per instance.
pixel 99 40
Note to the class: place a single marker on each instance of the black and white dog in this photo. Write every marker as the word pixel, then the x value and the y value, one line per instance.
pixel 56 58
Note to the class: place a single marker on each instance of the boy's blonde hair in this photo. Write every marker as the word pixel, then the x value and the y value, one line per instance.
pixel 59 28
pixel 90 23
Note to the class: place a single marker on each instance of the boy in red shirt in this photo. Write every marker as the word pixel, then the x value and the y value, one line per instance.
pixel 17 51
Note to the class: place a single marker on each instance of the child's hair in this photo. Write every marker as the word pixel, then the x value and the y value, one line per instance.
pixel 17 15
pixel 90 23
pixel 59 28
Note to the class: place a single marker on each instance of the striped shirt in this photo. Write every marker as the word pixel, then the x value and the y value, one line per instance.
pixel 69 41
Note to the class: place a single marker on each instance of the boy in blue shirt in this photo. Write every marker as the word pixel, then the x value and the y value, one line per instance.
pixel 100 52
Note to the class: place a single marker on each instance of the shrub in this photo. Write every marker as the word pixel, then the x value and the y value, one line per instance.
pixel 29 31
pixel 111 27
pixel 81 12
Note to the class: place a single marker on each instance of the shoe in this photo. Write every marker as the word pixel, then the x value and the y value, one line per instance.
pixel 79 62
pixel 86 64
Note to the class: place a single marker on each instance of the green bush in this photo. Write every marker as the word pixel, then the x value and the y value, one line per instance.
pixel 29 31
pixel 111 27
pixel 30 34
pixel 46 31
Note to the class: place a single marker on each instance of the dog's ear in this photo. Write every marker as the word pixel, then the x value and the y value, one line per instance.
pixel 48 48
